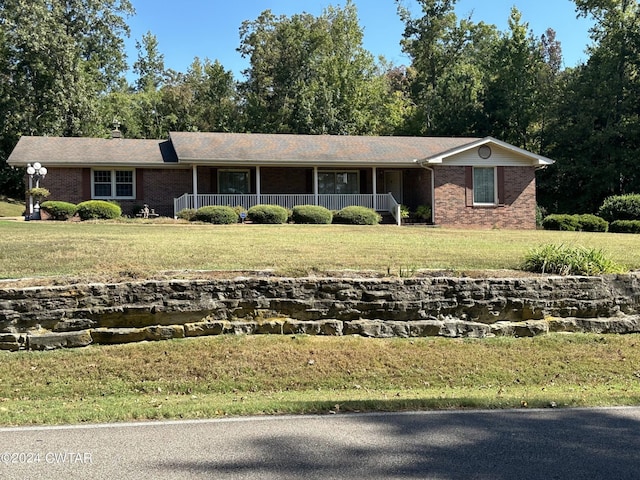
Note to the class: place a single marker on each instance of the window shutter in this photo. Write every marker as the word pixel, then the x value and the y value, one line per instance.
pixel 139 184
pixel 86 193
pixel 500 185
pixel 468 184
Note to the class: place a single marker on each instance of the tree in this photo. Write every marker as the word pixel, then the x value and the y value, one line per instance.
pixel 58 58
pixel 150 64
pixel 516 86
pixel 448 60
pixel 597 133
pixel 311 75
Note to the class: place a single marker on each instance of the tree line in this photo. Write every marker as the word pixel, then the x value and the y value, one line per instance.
pixel 63 67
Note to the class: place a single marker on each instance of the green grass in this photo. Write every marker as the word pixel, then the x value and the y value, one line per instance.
pixel 229 375
pixel 99 250
pixel 11 208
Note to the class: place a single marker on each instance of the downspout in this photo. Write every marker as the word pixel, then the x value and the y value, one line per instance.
pixel 433 189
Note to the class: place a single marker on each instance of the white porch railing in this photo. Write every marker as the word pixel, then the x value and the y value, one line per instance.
pixel 382 202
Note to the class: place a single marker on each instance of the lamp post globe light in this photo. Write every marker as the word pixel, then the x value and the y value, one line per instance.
pixel 35 172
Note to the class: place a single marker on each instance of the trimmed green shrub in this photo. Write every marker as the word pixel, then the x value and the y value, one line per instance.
pixel 575 223
pixel 621 207
pixel 220 215
pixel 564 260
pixel 564 222
pixel 625 226
pixel 313 214
pixel 98 209
pixel 188 214
pixel 59 210
pixel 268 214
pixel 591 223
pixel 357 216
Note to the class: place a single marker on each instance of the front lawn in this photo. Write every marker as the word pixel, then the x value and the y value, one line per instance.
pixel 240 375
pixel 107 251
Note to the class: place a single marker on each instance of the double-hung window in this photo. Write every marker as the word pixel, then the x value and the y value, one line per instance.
pixel 233 181
pixel 338 182
pixel 484 186
pixel 113 184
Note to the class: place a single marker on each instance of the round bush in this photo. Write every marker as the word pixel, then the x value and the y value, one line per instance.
pixel 59 210
pixel 313 214
pixel 219 215
pixel 268 214
pixel 357 216
pixel 564 222
pixel 621 207
pixel 188 214
pixel 98 209
pixel 592 223
pixel 625 226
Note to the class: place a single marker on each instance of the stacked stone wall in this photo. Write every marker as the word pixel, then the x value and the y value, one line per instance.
pixel 78 315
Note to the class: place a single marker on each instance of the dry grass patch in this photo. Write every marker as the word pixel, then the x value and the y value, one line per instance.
pixel 137 250
pixel 229 375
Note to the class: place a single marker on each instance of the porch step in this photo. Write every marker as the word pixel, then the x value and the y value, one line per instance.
pixel 387 218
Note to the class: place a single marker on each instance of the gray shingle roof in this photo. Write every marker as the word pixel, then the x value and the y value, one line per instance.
pixel 229 148
pixel 76 151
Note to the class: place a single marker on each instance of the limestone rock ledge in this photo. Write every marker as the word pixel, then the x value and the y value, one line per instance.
pixel 42 318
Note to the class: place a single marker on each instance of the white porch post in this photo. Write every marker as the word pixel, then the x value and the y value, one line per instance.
pixel 375 188
pixel 315 184
pixel 258 182
pixel 195 186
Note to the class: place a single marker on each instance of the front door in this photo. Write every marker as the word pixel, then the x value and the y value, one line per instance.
pixel 393 184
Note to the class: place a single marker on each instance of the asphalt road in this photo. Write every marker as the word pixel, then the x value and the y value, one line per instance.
pixel 506 444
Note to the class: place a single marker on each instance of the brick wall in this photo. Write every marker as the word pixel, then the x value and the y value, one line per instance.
pixel 286 180
pixel 518 211
pixel 65 184
pixel 156 187
pixel 161 186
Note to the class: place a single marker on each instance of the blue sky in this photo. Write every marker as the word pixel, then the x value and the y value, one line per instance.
pixel 209 28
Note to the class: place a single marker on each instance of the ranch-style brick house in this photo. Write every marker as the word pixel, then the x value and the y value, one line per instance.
pixel 468 182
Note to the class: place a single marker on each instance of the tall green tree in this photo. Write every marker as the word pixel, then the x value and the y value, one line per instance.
pixel 448 58
pixel 597 135
pixel 150 69
pixel 58 58
pixel 517 84
pixel 312 75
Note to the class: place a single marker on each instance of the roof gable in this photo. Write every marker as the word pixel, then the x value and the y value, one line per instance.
pixel 499 153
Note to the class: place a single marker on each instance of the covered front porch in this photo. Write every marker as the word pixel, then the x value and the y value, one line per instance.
pixel 379 202
pixel 328 186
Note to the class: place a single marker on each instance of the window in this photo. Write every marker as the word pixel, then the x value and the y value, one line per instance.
pixel 338 182
pixel 233 181
pixel 113 184
pixel 484 185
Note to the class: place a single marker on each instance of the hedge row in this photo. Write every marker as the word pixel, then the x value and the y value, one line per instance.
pixel 575 223
pixel 625 226
pixel 89 210
pixel 275 214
